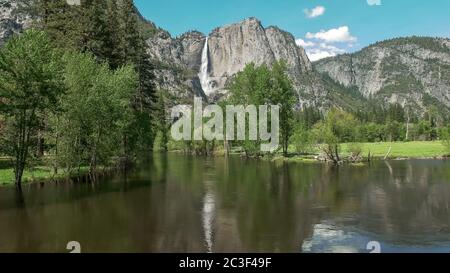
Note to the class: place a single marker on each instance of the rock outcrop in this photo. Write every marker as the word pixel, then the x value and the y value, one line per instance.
pixel 11 21
pixel 413 71
pixel 231 48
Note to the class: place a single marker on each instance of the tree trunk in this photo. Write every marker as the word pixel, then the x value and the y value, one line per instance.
pixel 336 150
pixel 18 176
pixel 285 147
pixel 407 126
pixel 40 145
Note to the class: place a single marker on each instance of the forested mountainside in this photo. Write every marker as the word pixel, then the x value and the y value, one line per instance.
pixel 414 71
pixel 411 71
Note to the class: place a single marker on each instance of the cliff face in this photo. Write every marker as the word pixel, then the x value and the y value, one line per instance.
pixel 230 49
pixel 11 21
pixel 405 70
pixel 414 71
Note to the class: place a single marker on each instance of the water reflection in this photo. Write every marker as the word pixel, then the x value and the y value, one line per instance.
pixel 187 204
pixel 209 206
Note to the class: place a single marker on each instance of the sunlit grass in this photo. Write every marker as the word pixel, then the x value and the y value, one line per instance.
pixel 416 149
pixel 37 174
pixel 7 175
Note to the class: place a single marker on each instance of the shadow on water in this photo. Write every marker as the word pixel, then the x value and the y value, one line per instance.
pixel 194 204
pixel 20 200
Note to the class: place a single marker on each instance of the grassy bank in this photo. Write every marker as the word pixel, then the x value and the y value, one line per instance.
pixel 416 149
pixel 37 174
pixel 412 150
pixel 397 150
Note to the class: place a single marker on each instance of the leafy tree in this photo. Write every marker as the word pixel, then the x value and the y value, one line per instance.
pixel 328 142
pixel 30 84
pixel 96 110
pixel 114 39
pixel 163 125
pixel 265 86
pixel 250 87
pixel 283 94
pixel 132 43
pixel 59 20
pixel 338 127
pixel 301 139
pixel 128 47
pixel 95 33
pixel 370 132
pixel 444 135
pixel 309 116
pixel 355 150
pixel 108 29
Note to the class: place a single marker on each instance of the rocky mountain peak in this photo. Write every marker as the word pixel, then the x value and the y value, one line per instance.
pixel 230 49
pixel 412 70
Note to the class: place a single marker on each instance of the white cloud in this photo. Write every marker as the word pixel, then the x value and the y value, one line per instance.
pixel 315 12
pixel 320 50
pixel 317 51
pixel 303 43
pixel 331 48
pixel 319 54
pixel 374 2
pixel 341 34
pixel 323 50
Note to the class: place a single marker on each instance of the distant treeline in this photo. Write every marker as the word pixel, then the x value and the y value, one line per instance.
pixel 378 123
pixel 389 122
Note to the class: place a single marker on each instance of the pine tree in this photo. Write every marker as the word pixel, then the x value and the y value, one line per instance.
pixel 55 17
pixel 114 44
pixel 132 42
pixel 94 30
pixel 162 121
pixel 129 48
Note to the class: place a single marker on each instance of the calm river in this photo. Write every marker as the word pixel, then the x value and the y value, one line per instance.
pixel 186 204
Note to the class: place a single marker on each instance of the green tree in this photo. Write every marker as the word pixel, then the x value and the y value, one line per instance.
pixel 128 47
pixel 163 125
pixel 265 86
pixel 114 39
pixel 444 135
pixel 95 33
pixel 328 142
pixel 338 127
pixel 251 86
pixel 30 84
pixel 55 17
pixel 96 111
pixel 301 139
pixel 132 43
pixel 283 95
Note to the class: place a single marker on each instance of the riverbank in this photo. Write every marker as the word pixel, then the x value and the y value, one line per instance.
pixel 380 151
pixel 393 150
pixel 396 150
pixel 42 173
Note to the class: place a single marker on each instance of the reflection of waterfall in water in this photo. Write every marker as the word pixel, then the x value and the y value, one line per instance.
pixel 204 73
pixel 208 215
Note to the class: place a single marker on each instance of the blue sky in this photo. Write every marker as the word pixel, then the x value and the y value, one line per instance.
pixel 323 27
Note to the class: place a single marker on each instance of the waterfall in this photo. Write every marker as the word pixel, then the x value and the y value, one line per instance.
pixel 204 74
